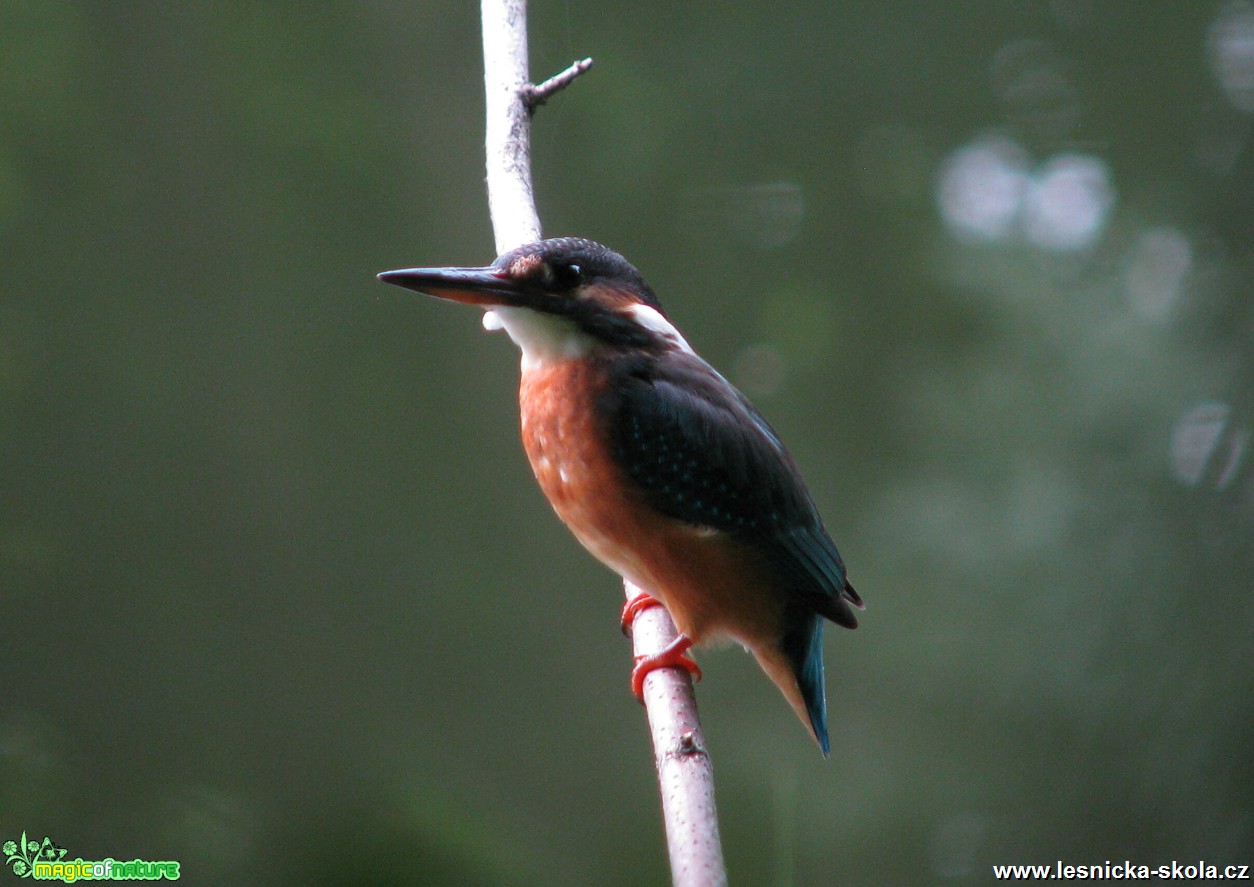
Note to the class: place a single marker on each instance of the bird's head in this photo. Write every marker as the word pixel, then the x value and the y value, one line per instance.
pixel 559 298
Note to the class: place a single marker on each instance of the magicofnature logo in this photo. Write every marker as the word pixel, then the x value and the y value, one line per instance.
pixel 45 861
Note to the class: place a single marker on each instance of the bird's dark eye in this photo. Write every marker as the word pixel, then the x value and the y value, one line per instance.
pixel 567 276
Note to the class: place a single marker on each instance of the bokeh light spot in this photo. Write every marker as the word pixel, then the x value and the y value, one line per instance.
pixel 1230 47
pixel 1067 204
pixel 981 188
pixel 1155 272
pixel 988 192
pixel 1206 448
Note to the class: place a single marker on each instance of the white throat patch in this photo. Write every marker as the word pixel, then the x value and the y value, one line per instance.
pixel 542 338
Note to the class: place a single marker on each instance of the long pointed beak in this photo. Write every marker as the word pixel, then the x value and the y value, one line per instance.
pixel 474 286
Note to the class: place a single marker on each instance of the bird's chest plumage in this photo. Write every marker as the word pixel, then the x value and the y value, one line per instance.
pixel 700 574
pixel 566 444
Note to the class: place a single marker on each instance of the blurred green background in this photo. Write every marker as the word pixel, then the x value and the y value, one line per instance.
pixel 282 601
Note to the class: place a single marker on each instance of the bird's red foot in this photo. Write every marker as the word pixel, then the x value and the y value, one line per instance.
pixel 632 609
pixel 672 656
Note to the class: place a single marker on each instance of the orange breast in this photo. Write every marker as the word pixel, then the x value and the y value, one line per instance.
pixel 713 585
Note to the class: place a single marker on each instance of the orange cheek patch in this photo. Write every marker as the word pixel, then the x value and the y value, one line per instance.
pixel 613 296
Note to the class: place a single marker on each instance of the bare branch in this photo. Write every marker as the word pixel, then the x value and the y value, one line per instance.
pixel 684 771
pixel 536 95
pixel 685 774
pixel 508 133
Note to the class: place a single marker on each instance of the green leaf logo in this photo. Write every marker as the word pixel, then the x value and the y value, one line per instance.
pixel 21 855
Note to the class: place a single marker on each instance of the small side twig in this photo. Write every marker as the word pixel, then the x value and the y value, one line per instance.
pixel 536 94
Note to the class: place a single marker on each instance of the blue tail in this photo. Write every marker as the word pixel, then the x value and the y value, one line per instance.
pixel 803 646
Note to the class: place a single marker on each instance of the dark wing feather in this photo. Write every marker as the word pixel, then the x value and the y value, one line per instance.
pixel 703 455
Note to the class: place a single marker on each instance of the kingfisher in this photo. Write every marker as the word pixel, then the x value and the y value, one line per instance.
pixel 661 468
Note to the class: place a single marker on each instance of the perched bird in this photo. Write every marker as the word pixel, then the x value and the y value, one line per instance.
pixel 662 469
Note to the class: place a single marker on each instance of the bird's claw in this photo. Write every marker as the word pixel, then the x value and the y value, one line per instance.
pixel 633 608
pixel 674 655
